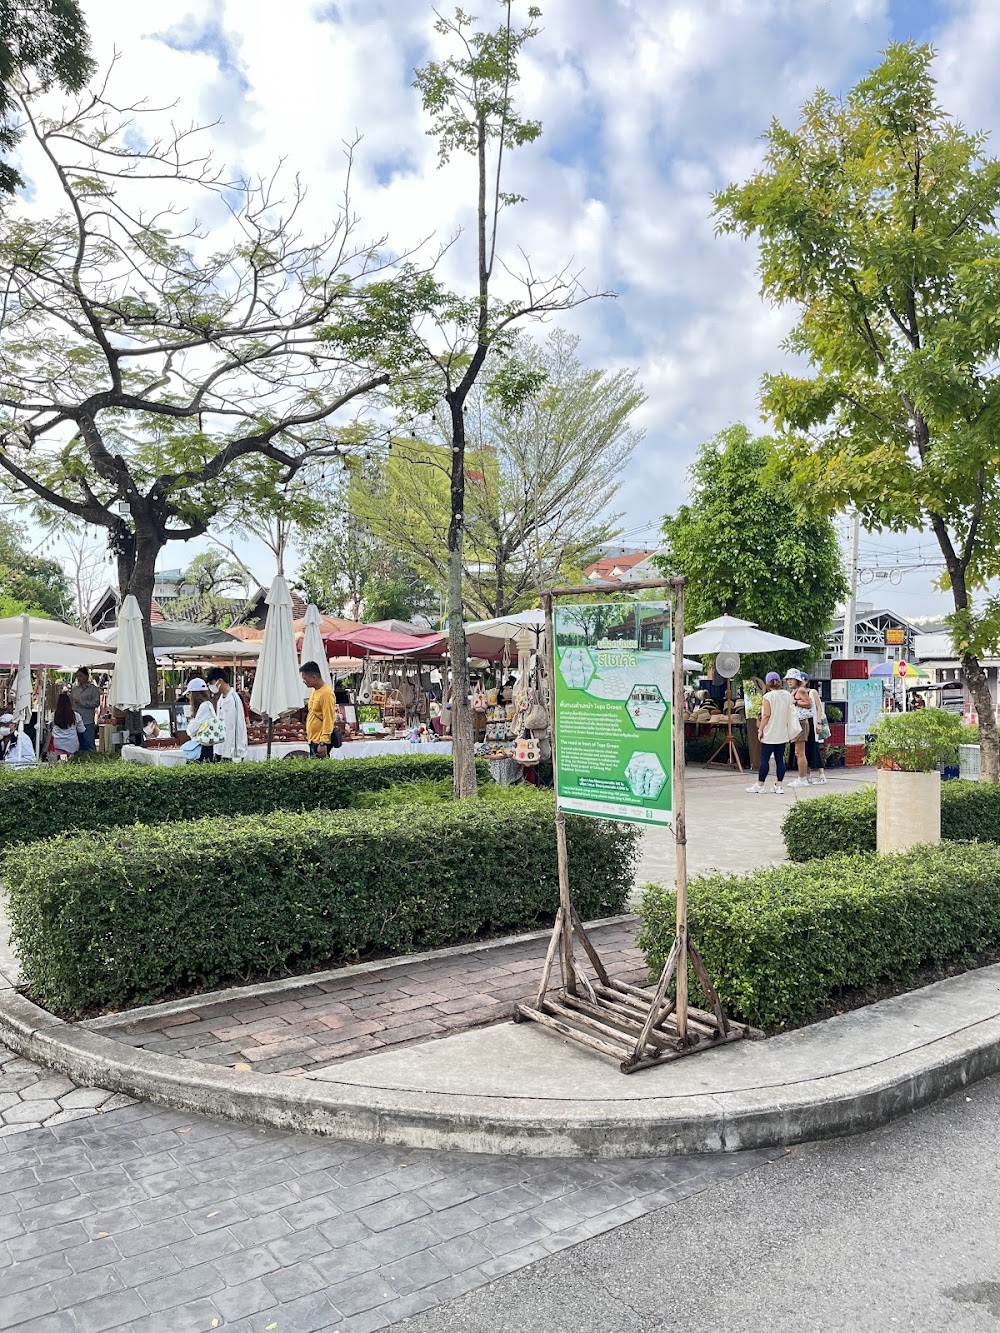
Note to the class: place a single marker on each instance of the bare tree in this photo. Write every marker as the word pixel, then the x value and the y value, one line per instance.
pixel 469 95
pixel 154 369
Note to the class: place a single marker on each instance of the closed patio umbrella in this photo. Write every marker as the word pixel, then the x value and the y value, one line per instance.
pixel 130 679
pixel 313 649
pixel 277 686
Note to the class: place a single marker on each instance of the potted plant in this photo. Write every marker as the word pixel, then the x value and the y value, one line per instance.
pixel 907 749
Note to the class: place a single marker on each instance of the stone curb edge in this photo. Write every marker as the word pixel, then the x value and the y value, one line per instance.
pixel 825 1107
pixel 123 1017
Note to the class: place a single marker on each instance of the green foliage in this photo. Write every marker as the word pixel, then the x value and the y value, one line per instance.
pixel 47 42
pixel 71 798
pixel 876 218
pixel 748 552
pixel 832 824
pixel 917 742
pixel 833 713
pixel 548 440
pixel 128 917
pixel 28 583
pixel 781 944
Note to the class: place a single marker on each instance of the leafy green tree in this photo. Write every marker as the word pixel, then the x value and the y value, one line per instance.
pixel 748 552
pixel 540 478
pixel 469 96
pixel 44 42
pixel 152 380
pixel 876 218
pixel 27 582
pixel 348 570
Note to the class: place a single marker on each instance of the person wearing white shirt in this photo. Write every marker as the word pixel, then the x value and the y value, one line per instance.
pixel 20 750
pixel 200 710
pixel 230 710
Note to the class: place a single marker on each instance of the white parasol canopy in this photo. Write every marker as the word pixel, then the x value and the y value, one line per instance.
pixel 728 634
pixel 313 649
pixel 130 681
pixel 54 656
pixel 22 685
pixel 508 627
pixel 277 686
pixel 50 631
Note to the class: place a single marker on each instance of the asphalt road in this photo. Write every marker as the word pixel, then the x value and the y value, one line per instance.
pixel 898 1229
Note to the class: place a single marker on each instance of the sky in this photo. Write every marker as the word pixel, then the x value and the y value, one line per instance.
pixel 647 107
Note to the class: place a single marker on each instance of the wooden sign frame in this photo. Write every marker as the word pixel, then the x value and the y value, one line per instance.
pixel 637 1026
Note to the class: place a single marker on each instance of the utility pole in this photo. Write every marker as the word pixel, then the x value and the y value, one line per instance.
pixel 851 609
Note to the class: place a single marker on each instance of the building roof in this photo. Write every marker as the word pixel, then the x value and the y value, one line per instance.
pixel 609 565
pixel 862 616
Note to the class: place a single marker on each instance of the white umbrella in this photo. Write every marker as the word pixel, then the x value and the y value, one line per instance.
pixel 22 685
pixel 48 631
pixel 313 649
pixel 55 656
pixel 508 627
pixel 277 686
pixel 727 634
pixel 130 681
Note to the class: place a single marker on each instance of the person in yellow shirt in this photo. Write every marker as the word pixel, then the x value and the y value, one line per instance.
pixel 321 719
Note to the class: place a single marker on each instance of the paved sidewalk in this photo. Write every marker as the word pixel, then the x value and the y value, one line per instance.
pixel 302 1031
pixel 147 1220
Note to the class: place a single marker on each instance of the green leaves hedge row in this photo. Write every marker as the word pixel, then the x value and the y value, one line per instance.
pixel 69 798
pixel 129 916
pixel 970 811
pixel 780 944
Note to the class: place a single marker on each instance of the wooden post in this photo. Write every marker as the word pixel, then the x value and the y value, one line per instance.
pixel 680 822
pixel 562 862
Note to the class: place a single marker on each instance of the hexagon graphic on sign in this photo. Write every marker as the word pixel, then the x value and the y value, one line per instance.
pixel 577 668
pixel 645 775
pixel 646 707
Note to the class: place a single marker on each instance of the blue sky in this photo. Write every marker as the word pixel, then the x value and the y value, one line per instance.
pixel 648 106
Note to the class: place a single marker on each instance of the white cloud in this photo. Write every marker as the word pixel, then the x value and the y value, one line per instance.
pixel 647 109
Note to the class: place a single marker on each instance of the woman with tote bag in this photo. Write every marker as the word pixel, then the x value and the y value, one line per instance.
pixel 777 726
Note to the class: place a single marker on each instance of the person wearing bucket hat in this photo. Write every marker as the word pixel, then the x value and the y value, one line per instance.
pixel 199 711
pixel 776 726
pixel 796 682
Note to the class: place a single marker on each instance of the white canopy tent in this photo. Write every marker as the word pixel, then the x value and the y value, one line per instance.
pixel 277 686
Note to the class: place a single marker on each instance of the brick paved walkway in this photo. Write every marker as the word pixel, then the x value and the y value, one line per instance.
pixel 303 1030
pixel 144 1219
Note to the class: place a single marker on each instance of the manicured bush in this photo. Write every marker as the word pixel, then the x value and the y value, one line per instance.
pixel 68 798
pixel 129 916
pixel 970 811
pixel 917 742
pixel 780 944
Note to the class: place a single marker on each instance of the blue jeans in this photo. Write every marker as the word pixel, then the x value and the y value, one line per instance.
pixel 88 737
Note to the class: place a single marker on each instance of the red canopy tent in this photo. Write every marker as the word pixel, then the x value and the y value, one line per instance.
pixel 367 640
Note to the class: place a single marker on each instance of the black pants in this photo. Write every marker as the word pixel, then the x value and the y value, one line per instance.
pixel 207 754
pixel 314 751
pixel 766 752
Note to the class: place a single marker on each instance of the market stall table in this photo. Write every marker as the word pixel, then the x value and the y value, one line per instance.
pixel 135 754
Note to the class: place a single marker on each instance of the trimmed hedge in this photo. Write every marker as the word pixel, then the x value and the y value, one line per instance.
pixel 780 944
pixel 76 798
pixel 970 811
pixel 127 917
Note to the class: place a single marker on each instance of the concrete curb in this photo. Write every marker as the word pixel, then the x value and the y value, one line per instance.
pixel 762 1117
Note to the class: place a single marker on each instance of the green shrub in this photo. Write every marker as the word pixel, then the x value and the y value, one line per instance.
pixel 917 742
pixel 70 798
pixel 970 811
pixel 129 916
pixel 780 944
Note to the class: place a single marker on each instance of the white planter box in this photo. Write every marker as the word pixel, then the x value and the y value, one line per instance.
pixel 909 809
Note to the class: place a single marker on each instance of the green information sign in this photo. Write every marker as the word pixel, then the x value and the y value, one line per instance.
pixel 614 717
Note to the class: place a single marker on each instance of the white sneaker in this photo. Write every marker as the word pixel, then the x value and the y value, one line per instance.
pixel 820 781
pixel 778 790
pixel 755 791
pixel 801 782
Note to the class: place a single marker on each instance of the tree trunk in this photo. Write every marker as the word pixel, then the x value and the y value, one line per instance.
pixel 137 556
pixel 462 739
pixel 989 745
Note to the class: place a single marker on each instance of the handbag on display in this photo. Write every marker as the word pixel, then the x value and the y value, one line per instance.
pixel 479 699
pixel 537 717
pixel 527 751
